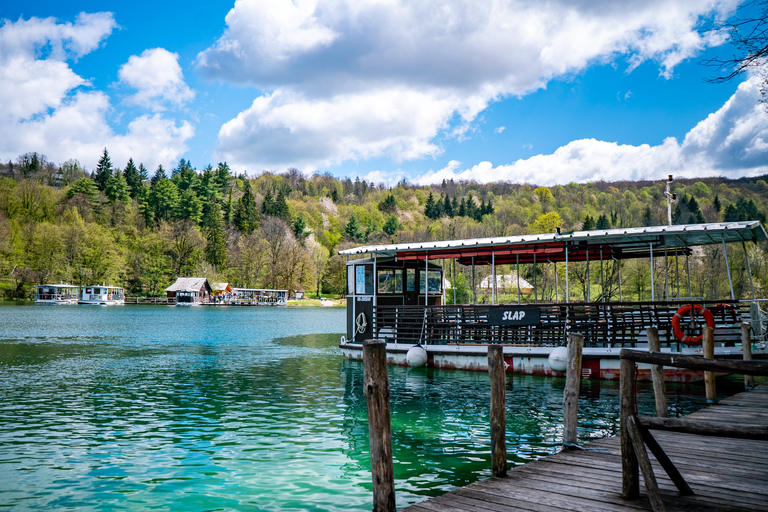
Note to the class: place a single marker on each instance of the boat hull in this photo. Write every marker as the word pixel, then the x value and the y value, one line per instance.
pixel 597 363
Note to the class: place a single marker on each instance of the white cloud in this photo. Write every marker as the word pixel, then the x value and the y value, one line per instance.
pixel 500 129
pixel 731 142
pixel 46 107
pixel 473 53
pixel 158 77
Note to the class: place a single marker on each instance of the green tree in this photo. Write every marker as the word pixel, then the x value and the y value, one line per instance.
pixel 299 227
pixel 353 229
pixel 588 224
pixel 602 222
pixel 190 207
pixel 85 186
pixel 158 176
pixel 391 226
pixel 104 171
pixel 216 243
pixel 133 178
pixel 117 189
pixel 246 218
pixel 164 200
pixel 388 205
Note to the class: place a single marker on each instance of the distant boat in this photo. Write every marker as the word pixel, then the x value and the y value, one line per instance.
pixel 101 295
pixel 56 294
pixel 187 298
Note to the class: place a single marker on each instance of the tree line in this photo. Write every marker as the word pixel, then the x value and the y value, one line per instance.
pixel 128 226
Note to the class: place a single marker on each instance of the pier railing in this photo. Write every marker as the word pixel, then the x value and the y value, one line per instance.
pixel 602 324
pixel 635 430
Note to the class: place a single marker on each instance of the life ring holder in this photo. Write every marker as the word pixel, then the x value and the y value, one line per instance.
pixel 709 319
pixel 361 323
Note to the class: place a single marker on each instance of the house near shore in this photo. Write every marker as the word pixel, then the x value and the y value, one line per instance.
pixel 218 289
pixel 506 283
pixel 196 288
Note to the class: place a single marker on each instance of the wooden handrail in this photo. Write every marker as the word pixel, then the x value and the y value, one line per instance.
pixel 695 362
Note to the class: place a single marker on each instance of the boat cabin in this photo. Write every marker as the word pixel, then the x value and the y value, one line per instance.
pixel 56 294
pixel 397 283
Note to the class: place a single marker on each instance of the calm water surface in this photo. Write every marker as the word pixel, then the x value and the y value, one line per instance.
pixel 201 409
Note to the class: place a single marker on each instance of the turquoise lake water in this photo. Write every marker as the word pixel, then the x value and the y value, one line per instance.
pixel 202 409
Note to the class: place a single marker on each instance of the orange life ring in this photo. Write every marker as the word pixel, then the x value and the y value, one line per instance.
pixel 678 316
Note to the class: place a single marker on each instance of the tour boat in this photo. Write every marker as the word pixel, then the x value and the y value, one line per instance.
pixel 101 295
pixel 56 294
pixel 395 293
pixel 188 298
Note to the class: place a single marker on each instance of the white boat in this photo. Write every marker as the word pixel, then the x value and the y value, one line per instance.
pixel 101 295
pixel 56 294
pixel 394 293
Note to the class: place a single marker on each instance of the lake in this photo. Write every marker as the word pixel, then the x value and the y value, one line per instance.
pixel 201 409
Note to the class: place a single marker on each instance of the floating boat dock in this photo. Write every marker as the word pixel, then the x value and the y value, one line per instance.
pixel 725 473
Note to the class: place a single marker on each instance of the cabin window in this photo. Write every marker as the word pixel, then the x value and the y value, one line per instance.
pixel 350 280
pixel 363 280
pixel 434 277
pixel 390 281
pixel 410 282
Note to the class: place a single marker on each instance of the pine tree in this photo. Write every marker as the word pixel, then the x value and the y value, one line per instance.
pixel 132 178
pixel 143 173
pixel 647 217
pixel 391 226
pixel 463 208
pixel 103 171
pixel 717 205
pixel 588 224
pixel 246 218
pixel 388 205
pixel 190 207
pixel 216 243
pixel 268 205
pixel 602 222
pixel 281 206
pixel 447 206
pixel 299 227
pixel 353 230
pixel 429 207
pixel 117 188
pixel 158 176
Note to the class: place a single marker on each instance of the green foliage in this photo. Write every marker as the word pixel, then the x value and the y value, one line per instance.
pixel 388 205
pixel 353 230
pixel 392 225
pixel 743 210
pixel 190 207
pixel 117 188
pixel 216 243
pixel 246 216
pixel 164 200
pixel 133 178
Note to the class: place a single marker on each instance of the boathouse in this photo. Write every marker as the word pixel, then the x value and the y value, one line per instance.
pixel 196 287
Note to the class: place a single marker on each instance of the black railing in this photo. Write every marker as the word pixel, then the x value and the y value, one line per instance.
pixel 601 323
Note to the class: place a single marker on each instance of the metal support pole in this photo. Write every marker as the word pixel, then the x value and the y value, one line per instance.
pixel 666 274
pixel 567 289
pixel 474 290
pixel 688 272
pixel 653 293
pixel 517 257
pixel 749 270
pixel 589 283
pixel 426 280
pixel 557 292
pixel 535 291
pixel 677 273
pixel 618 262
pixel 602 276
pixel 493 264
pixel 454 281
pixel 728 270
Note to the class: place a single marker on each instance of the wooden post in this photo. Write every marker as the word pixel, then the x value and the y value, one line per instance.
pixel 498 410
pixel 657 374
pixel 746 349
pixel 708 342
pixel 571 393
pixel 630 472
pixel 376 386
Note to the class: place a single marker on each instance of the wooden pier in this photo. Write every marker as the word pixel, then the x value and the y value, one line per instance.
pixel 725 473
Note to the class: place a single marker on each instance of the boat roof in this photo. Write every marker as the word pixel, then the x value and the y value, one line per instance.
pixel 188 284
pixel 621 243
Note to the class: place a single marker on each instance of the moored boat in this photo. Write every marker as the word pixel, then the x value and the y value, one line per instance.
pixel 101 295
pixel 395 293
pixel 56 294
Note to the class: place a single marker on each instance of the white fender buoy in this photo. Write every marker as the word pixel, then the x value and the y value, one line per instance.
pixel 416 356
pixel 558 359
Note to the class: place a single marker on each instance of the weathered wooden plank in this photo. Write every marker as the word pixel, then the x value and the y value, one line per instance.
pixel 705 428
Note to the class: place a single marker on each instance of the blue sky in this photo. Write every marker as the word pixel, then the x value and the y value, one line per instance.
pixel 504 90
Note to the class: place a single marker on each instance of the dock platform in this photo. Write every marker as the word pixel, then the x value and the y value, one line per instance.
pixel 726 474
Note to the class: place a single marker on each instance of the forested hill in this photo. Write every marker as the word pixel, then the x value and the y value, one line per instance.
pixel 125 225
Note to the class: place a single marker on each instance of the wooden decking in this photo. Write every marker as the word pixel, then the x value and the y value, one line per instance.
pixel 727 474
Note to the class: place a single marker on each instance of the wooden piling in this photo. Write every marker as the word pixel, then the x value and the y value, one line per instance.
pixel 657 374
pixel 498 410
pixel 571 393
pixel 746 350
pixel 708 344
pixel 630 471
pixel 376 386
